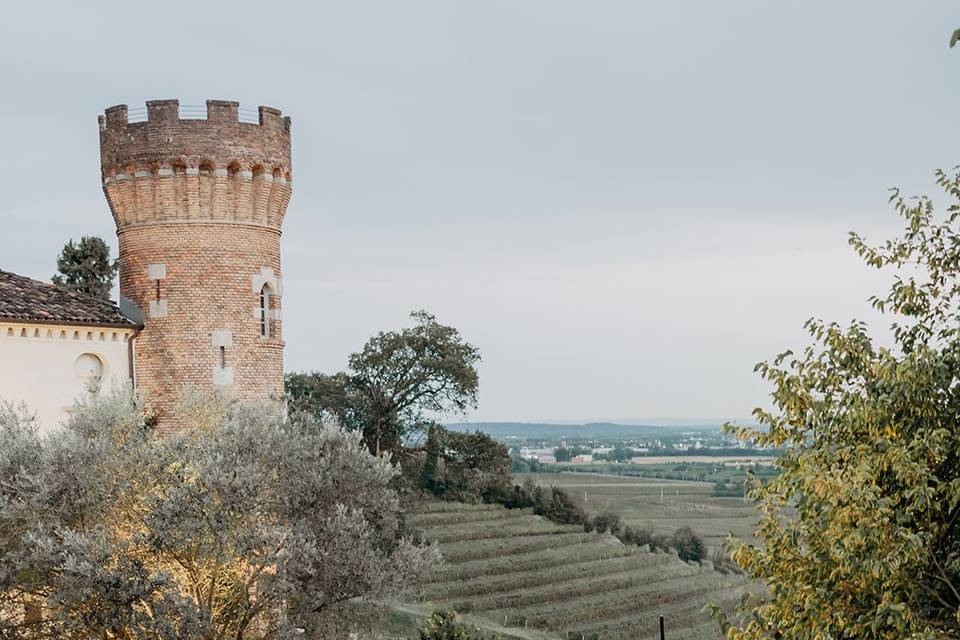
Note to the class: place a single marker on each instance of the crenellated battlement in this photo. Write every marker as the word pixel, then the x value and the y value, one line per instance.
pixel 189 164
pixel 220 139
pixel 213 111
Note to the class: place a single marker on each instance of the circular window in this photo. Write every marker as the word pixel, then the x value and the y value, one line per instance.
pixel 88 368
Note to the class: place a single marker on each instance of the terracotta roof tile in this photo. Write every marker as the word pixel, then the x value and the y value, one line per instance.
pixel 28 300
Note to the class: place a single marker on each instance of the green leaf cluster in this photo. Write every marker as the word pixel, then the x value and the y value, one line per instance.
pixel 465 467
pixel 860 532
pixel 396 384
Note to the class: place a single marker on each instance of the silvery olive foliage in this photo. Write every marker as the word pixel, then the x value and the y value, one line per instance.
pixel 860 533
pixel 250 526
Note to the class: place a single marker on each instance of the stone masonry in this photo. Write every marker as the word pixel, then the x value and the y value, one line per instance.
pixel 198 205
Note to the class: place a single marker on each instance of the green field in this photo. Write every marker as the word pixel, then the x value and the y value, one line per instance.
pixel 665 505
pixel 531 578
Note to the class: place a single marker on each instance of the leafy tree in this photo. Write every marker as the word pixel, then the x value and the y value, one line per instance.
pixel 321 395
pixel 860 533
pixel 86 267
pixel 619 453
pixel 690 547
pixel 519 464
pixel 552 503
pixel 250 527
pixel 430 471
pixel 559 506
pixel 468 467
pixel 566 454
pixel 724 488
pixel 395 382
pixel 518 497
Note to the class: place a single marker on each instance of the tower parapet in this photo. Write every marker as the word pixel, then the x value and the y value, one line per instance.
pixel 198 205
pixel 217 169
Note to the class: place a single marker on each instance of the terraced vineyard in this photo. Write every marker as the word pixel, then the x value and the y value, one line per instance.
pixel 664 505
pixel 519 571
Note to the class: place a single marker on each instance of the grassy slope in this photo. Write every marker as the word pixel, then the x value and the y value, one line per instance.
pixel 539 580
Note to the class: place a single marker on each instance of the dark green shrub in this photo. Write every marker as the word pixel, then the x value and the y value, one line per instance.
pixel 445 624
pixel 690 547
pixel 559 506
pixel 467 467
pixel 644 536
pixel 608 521
pixel 589 526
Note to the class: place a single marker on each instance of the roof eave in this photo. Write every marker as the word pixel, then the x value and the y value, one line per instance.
pixel 133 326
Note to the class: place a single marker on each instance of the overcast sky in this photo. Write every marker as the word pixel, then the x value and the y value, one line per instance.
pixel 624 205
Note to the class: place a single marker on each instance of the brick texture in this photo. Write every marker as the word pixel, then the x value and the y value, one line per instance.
pixel 200 202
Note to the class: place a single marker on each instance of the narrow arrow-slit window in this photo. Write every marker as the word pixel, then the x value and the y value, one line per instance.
pixel 265 311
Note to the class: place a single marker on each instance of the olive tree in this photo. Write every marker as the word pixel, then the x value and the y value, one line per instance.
pixel 860 532
pixel 253 526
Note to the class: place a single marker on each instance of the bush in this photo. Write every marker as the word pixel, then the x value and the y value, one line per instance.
pixel 466 467
pixel 566 454
pixel 519 465
pixel 445 624
pixel 644 536
pixel 552 503
pixel 559 506
pixel 690 547
pixel 607 521
pixel 725 489
pixel 516 497
pixel 250 526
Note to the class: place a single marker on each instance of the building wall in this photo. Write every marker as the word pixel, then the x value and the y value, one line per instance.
pixel 42 365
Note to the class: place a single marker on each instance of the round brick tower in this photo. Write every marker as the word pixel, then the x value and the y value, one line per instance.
pixel 198 205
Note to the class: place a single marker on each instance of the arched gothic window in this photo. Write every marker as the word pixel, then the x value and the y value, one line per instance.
pixel 265 311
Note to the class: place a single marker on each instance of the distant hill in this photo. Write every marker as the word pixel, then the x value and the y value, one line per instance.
pixel 599 430
pixel 653 421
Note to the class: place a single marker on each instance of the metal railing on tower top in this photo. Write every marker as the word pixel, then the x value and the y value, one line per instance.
pixel 194 112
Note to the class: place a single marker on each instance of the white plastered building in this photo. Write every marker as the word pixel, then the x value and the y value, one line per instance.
pixel 54 343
